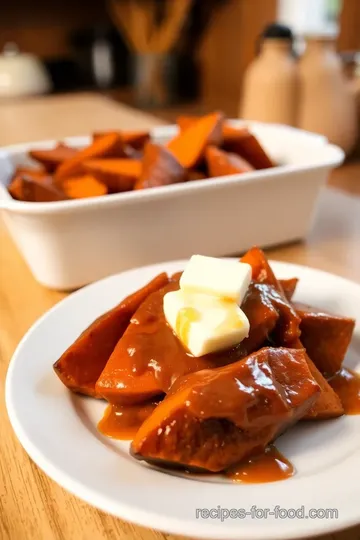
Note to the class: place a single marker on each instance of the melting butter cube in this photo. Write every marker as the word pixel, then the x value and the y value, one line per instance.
pixel 203 323
pixel 217 277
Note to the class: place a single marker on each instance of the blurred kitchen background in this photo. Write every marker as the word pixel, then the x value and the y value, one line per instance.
pixel 175 57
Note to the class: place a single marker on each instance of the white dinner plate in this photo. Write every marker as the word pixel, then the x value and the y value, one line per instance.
pixel 58 430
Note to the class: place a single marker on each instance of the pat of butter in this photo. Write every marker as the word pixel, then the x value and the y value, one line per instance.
pixel 204 323
pixel 217 277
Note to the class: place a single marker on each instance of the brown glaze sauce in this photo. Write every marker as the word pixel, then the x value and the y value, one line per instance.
pixel 150 345
pixel 267 466
pixel 122 422
pixel 346 384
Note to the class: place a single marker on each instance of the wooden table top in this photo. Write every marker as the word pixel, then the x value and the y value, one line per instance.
pixel 31 505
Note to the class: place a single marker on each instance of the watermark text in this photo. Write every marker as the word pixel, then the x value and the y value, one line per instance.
pixel 254 512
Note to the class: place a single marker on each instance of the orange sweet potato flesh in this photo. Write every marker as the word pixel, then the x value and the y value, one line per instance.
pixel 117 174
pixel 186 121
pixel 328 404
pixel 222 163
pixel 210 422
pixel 31 189
pixel 159 168
pixel 135 139
pixel 103 147
pixel 236 140
pixel 189 145
pixel 261 269
pixel 81 364
pixel 325 336
pixel 289 287
pixel 82 187
pixel 242 142
pixel 52 158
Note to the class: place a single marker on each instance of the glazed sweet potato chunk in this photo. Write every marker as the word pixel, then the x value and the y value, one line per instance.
pixel 222 163
pixel 159 168
pixel 215 418
pixel 328 404
pixel 261 269
pixel 289 287
pixel 287 332
pixel 325 336
pixel 81 364
pixel 262 313
pixel 288 327
pixel 149 357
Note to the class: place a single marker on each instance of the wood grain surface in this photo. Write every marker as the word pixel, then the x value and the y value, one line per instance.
pixel 33 507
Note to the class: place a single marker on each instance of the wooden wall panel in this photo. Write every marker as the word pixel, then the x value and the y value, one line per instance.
pixel 43 27
pixel 349 38
pixel 229 47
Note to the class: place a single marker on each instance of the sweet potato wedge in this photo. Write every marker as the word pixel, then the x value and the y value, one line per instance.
pixel 81 364
pixel 230 133
pixel 328 405
pixel 159 168
pixel 289 287
pixel 135 139
pixel 261 269
pixel 288 326
pixel 26 188
pixel 287 331
pixel 116 174
pixel 243 143
pixel 149 357
pixel 213 419
pixel 263 316
pixel 189 145
pixel 82 187
pixel 32 172
pixel 103 147
pixel 185 122
pixel 52 158
pixel 222 163
pixel 124 149
pixel 325 336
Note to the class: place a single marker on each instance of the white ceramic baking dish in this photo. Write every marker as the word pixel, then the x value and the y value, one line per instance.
pixel 68 244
